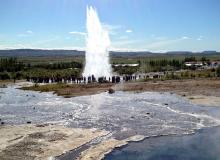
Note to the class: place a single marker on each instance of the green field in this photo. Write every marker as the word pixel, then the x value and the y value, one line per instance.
pixel 64 66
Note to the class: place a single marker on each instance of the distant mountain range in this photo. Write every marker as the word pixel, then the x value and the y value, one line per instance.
pixel 52 53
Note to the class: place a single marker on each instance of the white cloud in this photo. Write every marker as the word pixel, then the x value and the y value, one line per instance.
pixel 159 46
pixel 124 49
pixel 78 33
pixel 36 44
pixel 14 46
pixel 200 38
pixel 185 37
pixel 122 37
pixel 29 32
pixel 112 29
pixel 125 42
pixel 165 43
pixel 159 43
pixel 21 46
pixel 45 41
pixel 128 31
pixel 160 38
pixel 26 34
pixel 127 45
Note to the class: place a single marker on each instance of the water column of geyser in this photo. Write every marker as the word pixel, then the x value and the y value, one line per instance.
pixel 97 44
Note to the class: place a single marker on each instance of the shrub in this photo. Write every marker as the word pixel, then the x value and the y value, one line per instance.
pixel 4 76
pixel 36 85
pixel 218 72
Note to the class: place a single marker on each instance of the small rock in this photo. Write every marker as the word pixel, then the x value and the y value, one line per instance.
pixel 2 123
pixel 28 122
pixel 147 117
pixel 3 86
pixel 111 91
pixel 42 125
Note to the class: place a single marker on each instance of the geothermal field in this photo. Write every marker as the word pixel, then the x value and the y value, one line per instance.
pixel 122 116
pixel 100 104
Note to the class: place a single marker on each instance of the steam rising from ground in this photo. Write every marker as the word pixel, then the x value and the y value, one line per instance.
pixel 97 55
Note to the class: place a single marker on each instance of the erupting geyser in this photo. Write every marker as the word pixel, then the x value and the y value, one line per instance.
pixel 97 55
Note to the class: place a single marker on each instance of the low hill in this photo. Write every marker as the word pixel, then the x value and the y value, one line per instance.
pixel 61 53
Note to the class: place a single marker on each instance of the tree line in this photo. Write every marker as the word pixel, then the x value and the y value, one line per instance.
pixel 10 65
pixel 12 68
pixel 60 65
pixel 159 65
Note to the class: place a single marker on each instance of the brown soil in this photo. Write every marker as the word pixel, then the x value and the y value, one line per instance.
pixel 207 87
pixel 80 90
pixel 71 90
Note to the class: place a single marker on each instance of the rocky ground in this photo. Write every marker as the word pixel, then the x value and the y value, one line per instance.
pixel 46 141
pixel 41 141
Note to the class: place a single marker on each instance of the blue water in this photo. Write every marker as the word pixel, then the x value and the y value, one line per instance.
pixel 203 145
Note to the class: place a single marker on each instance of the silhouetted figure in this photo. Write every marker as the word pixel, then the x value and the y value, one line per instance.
pixel 113 79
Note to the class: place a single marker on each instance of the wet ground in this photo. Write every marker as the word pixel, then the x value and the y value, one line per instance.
pixel 124 114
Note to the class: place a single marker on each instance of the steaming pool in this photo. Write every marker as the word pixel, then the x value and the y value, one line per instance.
pixel 124 114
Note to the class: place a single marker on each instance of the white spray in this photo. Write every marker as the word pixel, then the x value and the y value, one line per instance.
pixel 97 55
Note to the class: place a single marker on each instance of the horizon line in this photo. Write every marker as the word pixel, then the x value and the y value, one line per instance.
pixel 116 50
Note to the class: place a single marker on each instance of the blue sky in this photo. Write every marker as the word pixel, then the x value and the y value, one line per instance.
pixel 152 25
